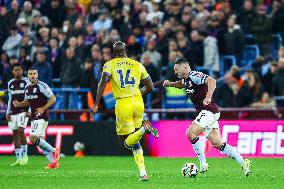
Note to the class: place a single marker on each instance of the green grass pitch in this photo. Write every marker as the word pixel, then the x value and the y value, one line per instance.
pixel 121 172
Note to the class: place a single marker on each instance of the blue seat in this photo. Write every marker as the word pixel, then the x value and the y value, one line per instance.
pixel 109 101
pixel 251 52
pixel 226 62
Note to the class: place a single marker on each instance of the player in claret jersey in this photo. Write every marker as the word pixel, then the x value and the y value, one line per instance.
pixel 18 117
pixel 39 97
pixel 200 88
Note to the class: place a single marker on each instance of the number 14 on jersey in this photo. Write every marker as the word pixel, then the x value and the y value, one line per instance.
pixel 125 79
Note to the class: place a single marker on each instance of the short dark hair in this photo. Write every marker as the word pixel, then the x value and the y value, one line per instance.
pixel 203 33
pixel 17 65
pixel 181 61
pixel 32 68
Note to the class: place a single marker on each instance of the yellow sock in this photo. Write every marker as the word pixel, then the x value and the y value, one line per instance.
pixel 139 160
pixel 135 137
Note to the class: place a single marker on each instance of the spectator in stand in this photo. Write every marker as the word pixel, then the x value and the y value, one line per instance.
pixel 87 80
pixel 151 69
pixel 29 12
pixel 278 19
pixel 155 56
pixel 55 11
pixel 233 92
pixel 267 78
pixel 133 47
pixel 90 37
pixel 103 22
pixel 202 15
pixel 70 76
pixel 55 56
pixel 278 80
pixel 234 40
pixel 255 85
pixel 43 67
pixel 12 43
pixel 265 102
pixel 195 50
pixel 261 26
pixel 14 12
pixel 211 54
pixel 246 15
pixel 120 24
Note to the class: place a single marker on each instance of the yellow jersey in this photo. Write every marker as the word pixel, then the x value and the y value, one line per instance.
pixel 125 76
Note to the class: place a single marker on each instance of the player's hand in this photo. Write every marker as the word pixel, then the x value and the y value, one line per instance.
pixel 167 83
pixel 94 110
pixel 8 117
pixel 206 101
pixel 16 103
pixel 39 111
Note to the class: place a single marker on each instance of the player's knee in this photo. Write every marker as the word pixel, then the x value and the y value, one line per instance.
pixel 217 144
pixel 190 134
pixel 33 139
pixel 136 146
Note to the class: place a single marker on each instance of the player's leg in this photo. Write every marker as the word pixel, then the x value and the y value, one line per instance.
pixel 198 126
pixel 125 128
pixel 18 152
pixel 138 156
pixel 36 137
pixel 22 123
pixel 215 138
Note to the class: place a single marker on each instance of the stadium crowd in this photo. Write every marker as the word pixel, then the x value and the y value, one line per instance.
pixel 69 41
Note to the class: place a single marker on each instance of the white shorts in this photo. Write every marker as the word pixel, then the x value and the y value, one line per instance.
pixel 38 127
pixel 208 121
pixel 18 120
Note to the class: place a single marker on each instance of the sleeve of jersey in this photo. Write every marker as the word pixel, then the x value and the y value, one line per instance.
pixel 198 77
pixel 45 89
pixel 144 73
pixel 107 68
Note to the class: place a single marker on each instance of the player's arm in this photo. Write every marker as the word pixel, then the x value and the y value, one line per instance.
pixel 148 86
pixel 176 84
pixel 50 102
pixel 101 88
pixel 24 103
pixel 211 84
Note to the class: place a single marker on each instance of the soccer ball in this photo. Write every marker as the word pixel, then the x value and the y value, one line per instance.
pixel 189 170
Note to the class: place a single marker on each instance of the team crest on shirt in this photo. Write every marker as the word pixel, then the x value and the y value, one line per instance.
pixel 22 85
pixel 34 90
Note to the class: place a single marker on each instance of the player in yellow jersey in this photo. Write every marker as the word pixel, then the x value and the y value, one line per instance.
pixel 125 75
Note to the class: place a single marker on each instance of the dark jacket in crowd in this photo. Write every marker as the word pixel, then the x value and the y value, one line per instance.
pixel 261 26
pixel 71 72
pixel 245 19
pixel 225 97
pixel 234 42
pixel 278 83
pixel 44 72
pixel 153 72
pixel 278 20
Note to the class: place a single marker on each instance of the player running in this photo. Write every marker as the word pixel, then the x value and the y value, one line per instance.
pixel 39 97
pixel 125 76
pixel 17 117
pixel 200 88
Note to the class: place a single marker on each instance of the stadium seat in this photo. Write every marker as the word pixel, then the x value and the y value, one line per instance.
pixel 251 52
pixel 224 61
pixel 176 98
pixel 250 39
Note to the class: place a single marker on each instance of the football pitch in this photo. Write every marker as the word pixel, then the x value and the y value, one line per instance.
pixel 121 172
